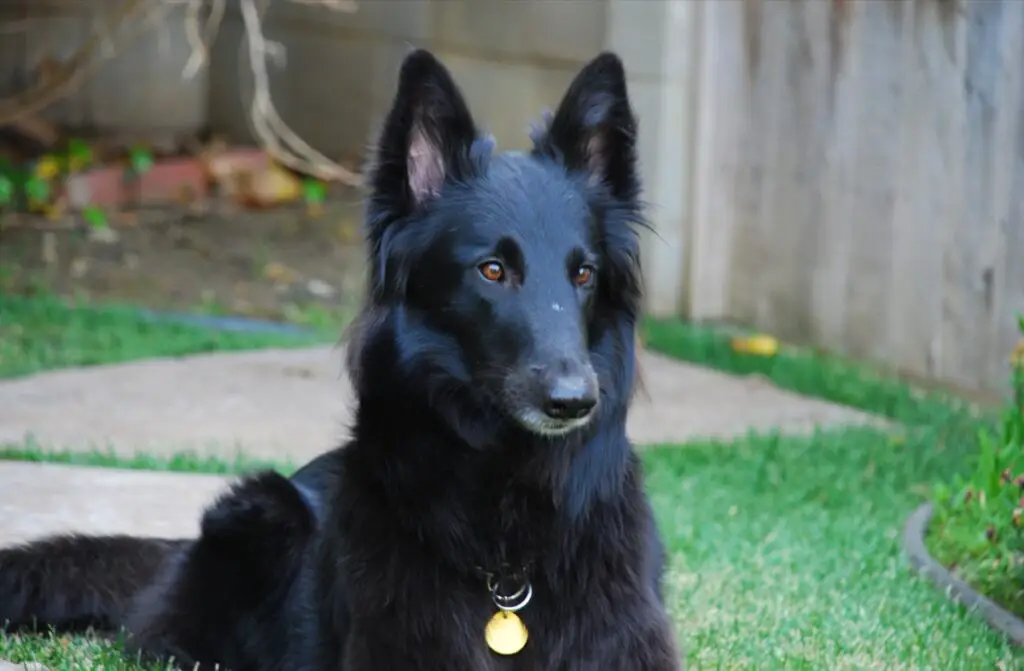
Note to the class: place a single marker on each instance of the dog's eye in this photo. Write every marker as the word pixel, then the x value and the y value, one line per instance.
pixel 584 276
pixel 492 271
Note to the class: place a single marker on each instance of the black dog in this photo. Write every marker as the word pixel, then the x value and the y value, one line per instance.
pixel 488 481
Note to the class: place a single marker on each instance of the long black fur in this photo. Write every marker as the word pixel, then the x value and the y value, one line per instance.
pixel 374 556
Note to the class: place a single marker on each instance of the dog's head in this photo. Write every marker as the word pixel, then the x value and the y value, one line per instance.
pixel 514 277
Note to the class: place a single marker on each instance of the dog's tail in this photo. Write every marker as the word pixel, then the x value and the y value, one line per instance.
pixel 73 582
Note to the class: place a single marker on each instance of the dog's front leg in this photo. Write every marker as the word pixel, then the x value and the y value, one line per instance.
pixel 652 649
pixel 636 646
pixel 389 643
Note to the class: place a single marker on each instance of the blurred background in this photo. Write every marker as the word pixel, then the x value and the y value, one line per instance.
pixel 844 174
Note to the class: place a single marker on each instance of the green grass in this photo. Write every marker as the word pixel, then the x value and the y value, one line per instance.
pixel 784 551
pixel 38 334
pixel 182 462
pixel 71 653
pixel 784 555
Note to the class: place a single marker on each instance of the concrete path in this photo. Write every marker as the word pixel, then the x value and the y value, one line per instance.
pixel 27 666
pixel 294 404
pixel 278 405
pixel 39 499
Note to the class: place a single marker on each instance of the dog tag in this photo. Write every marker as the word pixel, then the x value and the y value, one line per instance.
pixel 505 633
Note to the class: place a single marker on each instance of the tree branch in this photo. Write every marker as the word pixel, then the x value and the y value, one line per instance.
pixel 277 139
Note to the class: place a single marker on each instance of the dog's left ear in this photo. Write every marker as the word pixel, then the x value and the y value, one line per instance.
pixel 426 138
pixel 594 129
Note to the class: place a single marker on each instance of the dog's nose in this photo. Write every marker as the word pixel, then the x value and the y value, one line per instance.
pixel 569 397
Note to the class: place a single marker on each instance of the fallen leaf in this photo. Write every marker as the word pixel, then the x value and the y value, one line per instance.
pixel 242 306
pixel 79 267
pixel 54 211
pixel 347 231
pixel 278 272
pixel 103 234
pixel 759 345
pixel 261 189
pixel 47 168
pixel 127 219
pixel 185 194
pixel 320 289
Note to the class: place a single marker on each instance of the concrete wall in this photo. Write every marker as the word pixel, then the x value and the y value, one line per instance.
pixel 138 88
pixel 513 58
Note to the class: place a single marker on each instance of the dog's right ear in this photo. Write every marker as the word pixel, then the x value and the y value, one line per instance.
pixel 426 137
pixel 594 129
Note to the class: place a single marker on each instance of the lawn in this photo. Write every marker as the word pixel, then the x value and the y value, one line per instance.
pixel 42 333
pixel 784 551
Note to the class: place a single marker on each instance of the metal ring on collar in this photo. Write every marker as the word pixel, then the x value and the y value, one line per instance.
pixel 507 603
pixel 492 587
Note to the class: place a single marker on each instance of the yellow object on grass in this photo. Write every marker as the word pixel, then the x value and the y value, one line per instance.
pixel 759 345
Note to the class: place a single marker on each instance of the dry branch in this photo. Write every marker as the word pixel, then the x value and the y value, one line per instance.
pixel 135 17
pixel 69 74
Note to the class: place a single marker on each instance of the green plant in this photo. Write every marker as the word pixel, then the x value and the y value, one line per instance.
pixel 6 196
pixel 978 524
pixel 140 158
pixel 79 155
pixel 95 217
pixel 140 161
pixel 38 190
pixel 314 192
pixel 1017 364
pixel 11 180
pixel 6 191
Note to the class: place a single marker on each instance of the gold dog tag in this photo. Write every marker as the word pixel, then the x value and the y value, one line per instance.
pixel 505 633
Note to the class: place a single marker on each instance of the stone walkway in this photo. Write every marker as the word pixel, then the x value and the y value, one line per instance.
pixel 36 499
pixel 27 666
pixel 278 405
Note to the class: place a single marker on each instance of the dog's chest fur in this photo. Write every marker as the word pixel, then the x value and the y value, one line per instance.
pixel 424 550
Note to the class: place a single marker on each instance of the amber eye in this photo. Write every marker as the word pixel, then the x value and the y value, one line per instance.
pixel 584 276
pixel 492 271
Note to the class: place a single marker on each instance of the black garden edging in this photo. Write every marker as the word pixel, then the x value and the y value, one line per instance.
pixel 959 591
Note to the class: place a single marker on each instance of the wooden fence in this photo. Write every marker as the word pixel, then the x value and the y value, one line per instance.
pixel 859 179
